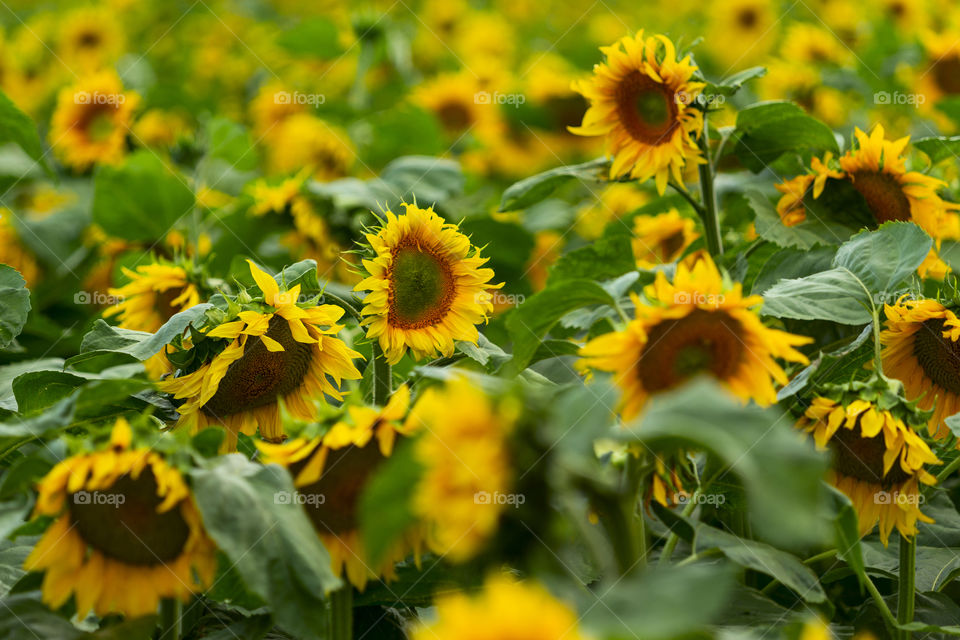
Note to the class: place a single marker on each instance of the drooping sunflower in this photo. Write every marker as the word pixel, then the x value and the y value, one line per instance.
pixel 466 461
pixel 921 348
pixel 91 121
pixel 502 610
pixel 273 349
pixel 427 285
pixel 303 140
pixel 126 532
pixel 661 239
pixel 694 325
pixel 330 473
pixel 642 101
pixel 878 458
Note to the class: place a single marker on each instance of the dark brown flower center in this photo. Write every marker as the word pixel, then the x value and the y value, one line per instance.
pixel 939 357
pixel 122 522
pixel 883 194
pixel 259 376
pixel 646 108
pixel 701 342
pixel 332 501
pixel 946 73
pixel 862 458
pixel 747 18
pixel 88 40
pixel 454 116
pixel 671 245
pixel 422 287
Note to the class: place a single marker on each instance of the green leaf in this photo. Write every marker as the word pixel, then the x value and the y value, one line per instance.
pixel 14 304
pixel 140 200
pixel 607 258
pixel 385 511
pixel 768 130
pixel 423 179
pixel 38 390
pixel 784 498
pixel 847 533
pixel 805 235
pixel 317 37
pixel 939 148
pixel 24 617
pixel 12 556
pixel 10 372
pixel 532 190
pixel 19 128
pixel 834 295
pixel 529 323
pixel 269 539
pixel 884 258
pixel 731 84
pixel 789 264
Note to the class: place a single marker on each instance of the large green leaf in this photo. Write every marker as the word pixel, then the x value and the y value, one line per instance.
pixel 249 512
pixel 834 295
pixel 939 148
pixel 140 200
pixel 607 257
pixel 14 304
pixel 19 128
pixel 768 130
pixel 884 258
pixel 808 234
pixel 24 617
pixel 532 190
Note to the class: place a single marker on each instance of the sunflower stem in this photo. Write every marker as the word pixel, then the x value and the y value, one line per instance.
pixel 710 215
pixel 673 538
pixel 906 587
pixel 382 377
pixel 877 359
pixel 170 615
pixel 341 613
pixel 881 604
pixel 947 470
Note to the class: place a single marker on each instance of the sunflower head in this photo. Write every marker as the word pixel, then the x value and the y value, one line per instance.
pixel 235 369
pixel 878 458
pixel 305 141
pixel 90 38
pixel 661 239
pixel 426 284
pixel 330 473
pixel 642 100
pixel 126 532
pixel 696 324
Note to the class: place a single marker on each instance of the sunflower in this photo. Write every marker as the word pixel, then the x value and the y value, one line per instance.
pixel 614 202
pixel 160 128
pixel 154 294
pixel 271 107
pixel 462 104
pixel 809 44
pixel 741 31
pixel 330 473
pixel 91 121
pixel 547 247
pixel 921 349
pixel 694 325
pixel 271 350
pixel 303 140
pixel 642 100
pixel 661 239
pixel 939 73
pixel 466 463
pixel 503 609
pixel 427 287
pixel 90 39
pixel 878 458
pixel 126 532
pixel 12 251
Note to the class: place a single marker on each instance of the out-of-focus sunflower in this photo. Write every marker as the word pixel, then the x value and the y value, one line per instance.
pixel 12 251
pixel 272 105
pixel 878 458
pixel 921 348
pixel 547 246
pixel 427 285
pixel 502 610
pixel 126 532
pixel 694 325
pixel 662 238
pixel 91 121
pixel 463 449
pixel 272 350
pixel 160 128
pixel 641 100
pixel 305 141
pixel 90 39
pixel 462 104
pixel 804 85
pixel 331 471
pixel 614 202
pixel 741 31
pixel 809 44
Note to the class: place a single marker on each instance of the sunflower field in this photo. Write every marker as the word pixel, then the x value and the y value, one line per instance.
pixel 479 320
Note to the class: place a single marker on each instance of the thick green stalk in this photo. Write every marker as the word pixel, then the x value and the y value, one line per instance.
pixel 710 213
pixel 673 538
pixel 341 613
pixel 382 376
pixel 906 589
pixel 170 615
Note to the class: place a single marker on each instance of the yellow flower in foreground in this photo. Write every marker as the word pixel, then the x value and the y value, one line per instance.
pixel 694 325
pixel 126 532
pixel 427 287
pixel 878 461
pixel 467 470
pixel 503 609
pixel 641 100
pixel 284 352
pixel 330 473
pixel 91 121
